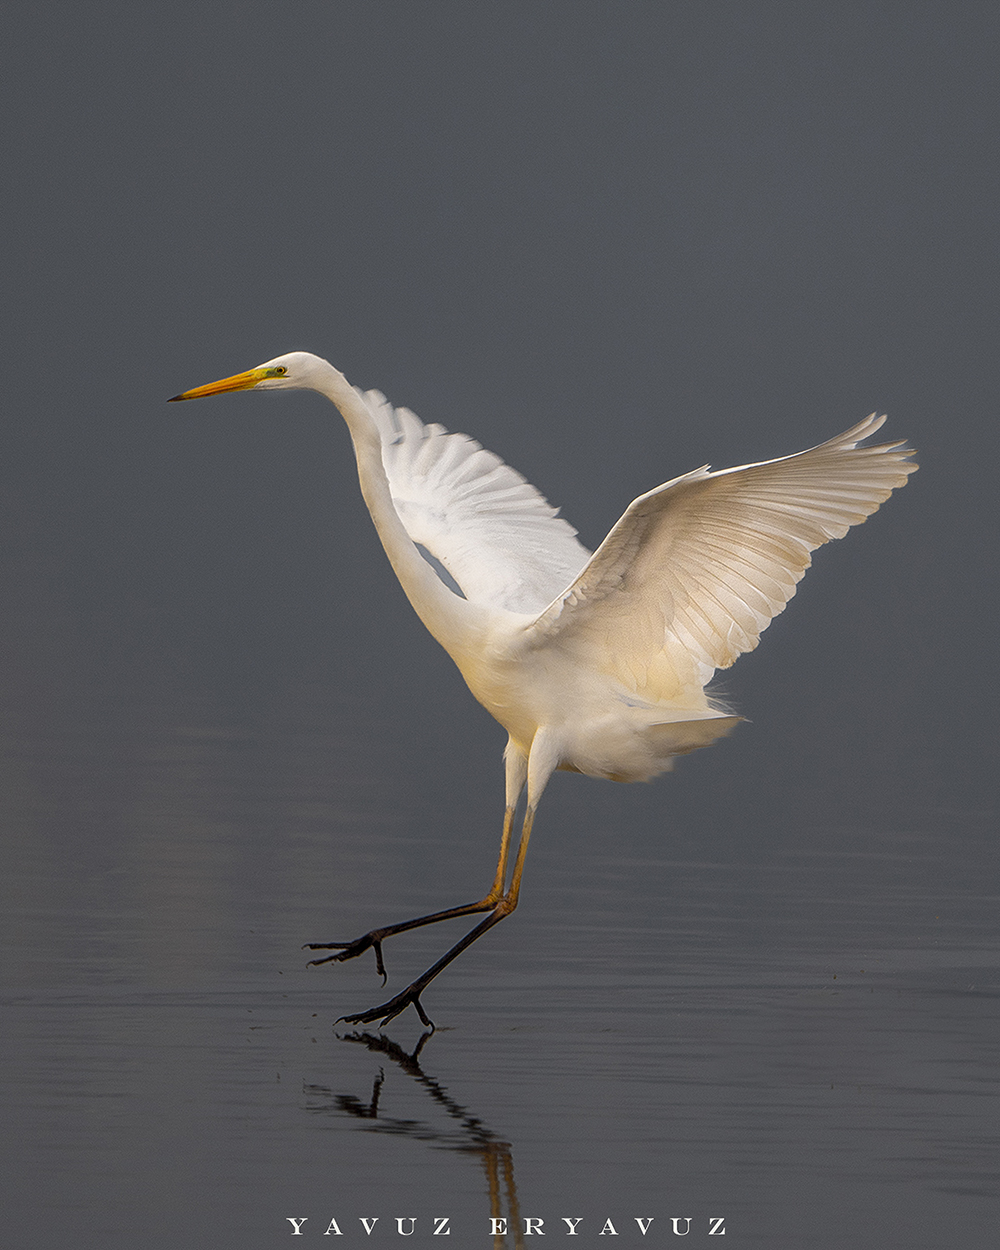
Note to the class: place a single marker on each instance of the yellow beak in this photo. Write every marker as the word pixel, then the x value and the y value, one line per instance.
pixel 238 382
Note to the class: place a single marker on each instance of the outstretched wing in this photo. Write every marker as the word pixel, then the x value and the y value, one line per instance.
pixel 695 570
pixel 494 533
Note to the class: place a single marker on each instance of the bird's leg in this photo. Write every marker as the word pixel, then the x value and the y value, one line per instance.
pixel 502 907
pixel 510 898
pixel 375 938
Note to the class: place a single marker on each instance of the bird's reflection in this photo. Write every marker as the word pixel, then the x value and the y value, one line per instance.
pixel 468 1134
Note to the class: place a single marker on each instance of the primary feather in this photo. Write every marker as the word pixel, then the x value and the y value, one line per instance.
pixel 697 569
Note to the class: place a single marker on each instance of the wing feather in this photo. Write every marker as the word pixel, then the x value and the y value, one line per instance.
pixel 494 533
pixel 696 569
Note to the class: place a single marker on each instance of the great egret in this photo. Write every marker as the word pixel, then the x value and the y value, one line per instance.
pixel 592 663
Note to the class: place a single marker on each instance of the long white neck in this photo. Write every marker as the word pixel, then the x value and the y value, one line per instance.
pixel 449 617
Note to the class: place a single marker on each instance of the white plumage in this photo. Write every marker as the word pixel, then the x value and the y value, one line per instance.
pixel 497 536
pixel 592 663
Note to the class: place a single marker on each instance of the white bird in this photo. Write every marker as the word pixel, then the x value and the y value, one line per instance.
pixel 592 663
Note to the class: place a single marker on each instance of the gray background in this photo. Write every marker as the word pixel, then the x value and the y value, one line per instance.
pixel 613 242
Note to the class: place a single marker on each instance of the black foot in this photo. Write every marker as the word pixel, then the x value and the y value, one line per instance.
pixel 350 950
pixel 390 1010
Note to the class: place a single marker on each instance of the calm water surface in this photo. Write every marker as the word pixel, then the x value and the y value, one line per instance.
pixel 794 1033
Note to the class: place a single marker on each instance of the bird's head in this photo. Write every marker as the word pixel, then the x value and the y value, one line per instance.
pixel 293 371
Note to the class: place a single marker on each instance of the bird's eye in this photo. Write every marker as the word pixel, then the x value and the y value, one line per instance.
pixel 280 370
